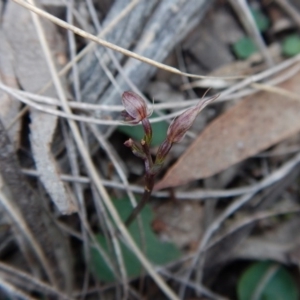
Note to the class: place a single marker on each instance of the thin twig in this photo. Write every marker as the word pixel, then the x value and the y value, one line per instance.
pixel 104 43
pixel 21 224
pixel 12 291
pixel 290 10
pixel 26 279
pixel 197 287
pixel 249 220
pixel 237 204
pixel 197 194
pixel 99 107
pixel 87 159
pixel 245 15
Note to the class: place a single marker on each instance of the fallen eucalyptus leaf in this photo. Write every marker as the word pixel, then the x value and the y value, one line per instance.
pixel 251 126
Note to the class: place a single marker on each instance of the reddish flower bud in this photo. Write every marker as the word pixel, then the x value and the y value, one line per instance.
pixel 162 152
pixel 135 148
pixel 181 124
pixel 136 108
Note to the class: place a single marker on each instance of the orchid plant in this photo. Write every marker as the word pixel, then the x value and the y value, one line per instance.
pixel 136 111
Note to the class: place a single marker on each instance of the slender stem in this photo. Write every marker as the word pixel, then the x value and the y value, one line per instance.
pixel 148 131
pixel 148 160
pixel 149 180
pixel 149 177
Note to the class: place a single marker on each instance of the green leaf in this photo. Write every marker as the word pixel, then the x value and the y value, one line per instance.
pixel 137 133
pixel 268 281
pixel 244 48
pixel 261 20
pixel 157 252
pixel 291 45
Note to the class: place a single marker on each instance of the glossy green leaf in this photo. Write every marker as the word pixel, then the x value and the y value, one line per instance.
pixel 261 20
pixel 157 252
pixel 243 48
pixel 136 132
pixel 291 45
pixel 267 281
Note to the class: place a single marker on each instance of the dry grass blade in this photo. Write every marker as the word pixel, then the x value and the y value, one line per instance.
pixel 12 291
pixel 290 10
pixel 197 194
pixel 199 257
pixel 27 281
pixel 104 43
pixel 91 45
pixel 9 108
pixel 234 130
pixel 42 130
pixel 92 170
pixel 26 201
pixel 25 231
pixel 244 13
pixel 249 220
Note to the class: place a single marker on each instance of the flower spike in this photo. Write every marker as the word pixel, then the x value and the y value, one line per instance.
pixel 180 125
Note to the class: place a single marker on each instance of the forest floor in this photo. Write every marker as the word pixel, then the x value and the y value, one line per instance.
pixel 223 218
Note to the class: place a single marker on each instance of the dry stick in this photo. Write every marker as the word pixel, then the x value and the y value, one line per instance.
pixel 181 63
pixel 49 60
pixel 13 291
pixel 226 95
pixel 99 136
pixel 246 17
pixel 196 287
pixel 115 61
pixel 86 228
pixel 247 221
pixel 276 90
pixel 290 10
pixel 71 116
pixel 18 219
pixel 72 151
pixel 91 45
pixel 110 152
pixel 274 177
pixel 260 76
pixel 87 159
pixel 83 52
pixel 104 43
pixel 170 105
pixel 50 63
pixel 198 194
pixel 26 279
pixel 56 112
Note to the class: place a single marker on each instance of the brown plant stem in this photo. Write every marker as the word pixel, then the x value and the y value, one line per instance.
pixel 149 180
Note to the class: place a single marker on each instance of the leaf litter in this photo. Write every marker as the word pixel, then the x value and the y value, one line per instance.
pixel 32 73
pixel 255 124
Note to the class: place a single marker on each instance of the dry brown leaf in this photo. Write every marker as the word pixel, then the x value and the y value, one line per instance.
pixel 251 126
pixel 9 107
pixel 32 72
pixel 180 222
